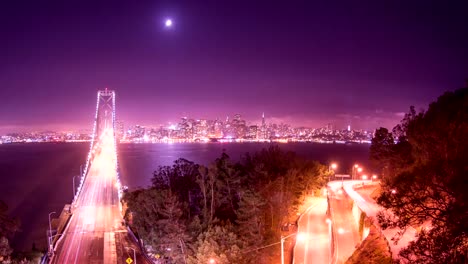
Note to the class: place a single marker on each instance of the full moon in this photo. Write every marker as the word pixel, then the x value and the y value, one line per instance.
pixel 168 23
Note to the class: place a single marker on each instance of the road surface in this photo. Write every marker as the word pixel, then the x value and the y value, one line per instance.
pixel 315 245
pixel 95 232
pixel 344 225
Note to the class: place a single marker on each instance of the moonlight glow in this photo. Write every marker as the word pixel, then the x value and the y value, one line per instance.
pixel 168 23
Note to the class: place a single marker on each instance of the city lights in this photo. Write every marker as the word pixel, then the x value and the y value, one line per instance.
pixel 203 130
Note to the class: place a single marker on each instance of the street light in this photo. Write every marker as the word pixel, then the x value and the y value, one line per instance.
pixel 134 254
pixel 51 246
pixel 300 237
pixel 211 261
pixel 364 177
pixel 354 169
pixel 50 230
pixel 374 177
pixel 331 168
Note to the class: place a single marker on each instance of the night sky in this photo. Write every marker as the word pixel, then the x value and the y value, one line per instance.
pixel 309 63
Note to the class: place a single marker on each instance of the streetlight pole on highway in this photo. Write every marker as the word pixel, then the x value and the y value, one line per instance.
pixel 134 253
pixel 353 172
pixel 50 232
pixel 359 170
pixel 332 168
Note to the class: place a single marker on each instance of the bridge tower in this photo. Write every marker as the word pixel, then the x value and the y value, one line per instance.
pixel 104 119
pixel 105 112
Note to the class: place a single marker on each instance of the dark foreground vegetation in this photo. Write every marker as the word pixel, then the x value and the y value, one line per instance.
pixel 424 163
pixel 225 211
pixel 8 227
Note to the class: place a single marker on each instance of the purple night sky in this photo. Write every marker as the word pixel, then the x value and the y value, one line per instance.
pixel 361 63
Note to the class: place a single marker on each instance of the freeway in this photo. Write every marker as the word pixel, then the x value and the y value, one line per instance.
pixel 344 225
pixel 95 231
pixel 315 247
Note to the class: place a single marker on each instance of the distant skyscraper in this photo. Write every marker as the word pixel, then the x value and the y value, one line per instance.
pixel 349 128
pixel 263 128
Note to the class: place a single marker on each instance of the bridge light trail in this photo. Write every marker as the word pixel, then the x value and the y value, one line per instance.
pixel 90 236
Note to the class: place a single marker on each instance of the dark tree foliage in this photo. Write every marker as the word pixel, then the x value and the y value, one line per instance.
pixel 8 227
pixel 223 208
pixel 427 179
pixel 381 150
pixel 180 179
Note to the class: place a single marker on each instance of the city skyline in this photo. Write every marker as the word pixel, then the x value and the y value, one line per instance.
pixel 170 122
pixel 188 129
pixel 302 63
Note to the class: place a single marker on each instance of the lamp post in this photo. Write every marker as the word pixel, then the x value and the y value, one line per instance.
pixel 134 254
pixel 51 246
pixel 355 167
pixel 331 168
pixel 50 232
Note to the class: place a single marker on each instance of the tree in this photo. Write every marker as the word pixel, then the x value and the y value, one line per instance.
pixel 381 150
pixel 219 244
pixel 181 179
pixel 228 185
pixel 8 227
pixel 431 187
pixel 250 219
pixel 171 232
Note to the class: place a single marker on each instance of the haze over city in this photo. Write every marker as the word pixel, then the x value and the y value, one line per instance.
pixel 302 62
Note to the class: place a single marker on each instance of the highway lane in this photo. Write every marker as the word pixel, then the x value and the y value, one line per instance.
pixel 314 247
pixel 345 227
pixel 91 234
